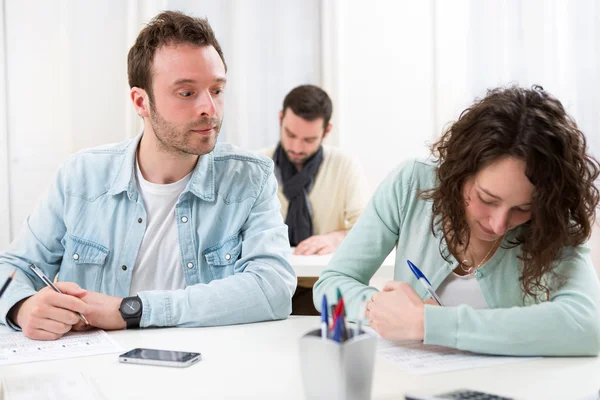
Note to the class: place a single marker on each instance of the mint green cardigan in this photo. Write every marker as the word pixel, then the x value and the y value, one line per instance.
pixel 565 322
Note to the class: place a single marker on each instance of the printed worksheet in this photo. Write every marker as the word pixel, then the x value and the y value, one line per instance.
pixel 422 359
pixel 15 348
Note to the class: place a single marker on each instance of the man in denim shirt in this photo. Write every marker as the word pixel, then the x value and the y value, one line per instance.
pixel 167 229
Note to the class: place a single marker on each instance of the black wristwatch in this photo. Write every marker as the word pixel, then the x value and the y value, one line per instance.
pixel 131 311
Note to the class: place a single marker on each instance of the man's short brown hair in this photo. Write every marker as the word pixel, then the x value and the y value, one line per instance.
pixel 167 28
pixel 310 103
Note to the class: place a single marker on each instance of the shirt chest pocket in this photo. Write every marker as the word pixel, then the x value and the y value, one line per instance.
pixel 221 258
pixel 83 262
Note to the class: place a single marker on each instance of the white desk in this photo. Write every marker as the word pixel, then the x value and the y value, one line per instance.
pixel 314 265
pixel 261 361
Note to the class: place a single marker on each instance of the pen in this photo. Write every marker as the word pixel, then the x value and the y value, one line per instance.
pixel 343 327
pixel 424 281
pixel 362 309
pixel 324 318
pixel 8 281
pixel 337 332
pixel 339 310
pixel 40 274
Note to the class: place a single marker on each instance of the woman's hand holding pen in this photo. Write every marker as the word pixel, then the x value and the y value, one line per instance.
pixel 48 315
pixel 398 313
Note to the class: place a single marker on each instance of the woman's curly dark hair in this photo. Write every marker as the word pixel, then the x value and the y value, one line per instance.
pixel 531 125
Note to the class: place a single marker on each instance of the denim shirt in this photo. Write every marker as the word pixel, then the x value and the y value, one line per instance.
pixel 233 243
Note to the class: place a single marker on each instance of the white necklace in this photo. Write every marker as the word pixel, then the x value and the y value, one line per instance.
pixel 470 270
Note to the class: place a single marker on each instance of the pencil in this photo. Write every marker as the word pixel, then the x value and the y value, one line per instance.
pixel 8 280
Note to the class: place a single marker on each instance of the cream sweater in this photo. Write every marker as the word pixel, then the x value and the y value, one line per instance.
pixel 339 195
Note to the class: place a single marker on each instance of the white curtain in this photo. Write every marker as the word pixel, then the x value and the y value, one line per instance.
pixel 405 68
pixel 4 174
pixel 553 43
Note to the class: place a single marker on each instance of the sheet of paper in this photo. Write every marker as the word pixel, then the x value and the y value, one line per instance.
pixel 15 348
pixel 63 386
pixel 417 358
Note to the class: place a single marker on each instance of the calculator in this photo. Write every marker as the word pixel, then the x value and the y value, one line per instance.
pixel 461 394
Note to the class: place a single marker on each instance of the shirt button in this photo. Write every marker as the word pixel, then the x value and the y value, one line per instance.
pixel 190 265
pixel 228 256
pixel 184 219
pixel 124 267
pixel 75 256
pixel 478 274
pixel 140 220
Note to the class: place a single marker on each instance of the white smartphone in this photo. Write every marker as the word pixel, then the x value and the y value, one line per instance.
pixel 165 358
pixel 461 394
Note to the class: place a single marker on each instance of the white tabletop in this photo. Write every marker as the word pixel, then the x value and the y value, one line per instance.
pixel 261 361
pixel 314 265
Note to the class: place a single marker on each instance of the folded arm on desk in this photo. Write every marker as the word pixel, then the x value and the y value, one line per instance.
pixel 566 325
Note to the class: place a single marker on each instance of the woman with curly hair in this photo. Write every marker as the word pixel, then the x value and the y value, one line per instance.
pixel 497 221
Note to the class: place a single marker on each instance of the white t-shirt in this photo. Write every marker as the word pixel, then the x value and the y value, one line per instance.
pixel 158 264
pixel 457 290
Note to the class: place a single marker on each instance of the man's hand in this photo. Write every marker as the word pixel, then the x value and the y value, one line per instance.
pixel 48 315
pixel 104 312
pixel 320 244
pixel 398 313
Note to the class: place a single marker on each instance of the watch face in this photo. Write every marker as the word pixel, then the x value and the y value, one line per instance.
pixel 130 306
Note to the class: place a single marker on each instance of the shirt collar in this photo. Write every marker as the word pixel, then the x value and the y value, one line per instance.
pixel 201 184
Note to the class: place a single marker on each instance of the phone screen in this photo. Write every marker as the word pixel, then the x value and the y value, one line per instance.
pixel 160 355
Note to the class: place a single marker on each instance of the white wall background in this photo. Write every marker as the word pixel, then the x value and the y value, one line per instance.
pixel 397 70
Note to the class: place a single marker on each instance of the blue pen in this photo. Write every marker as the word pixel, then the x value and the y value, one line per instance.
pixel 324 318
pixel 337 331
pixel 424 281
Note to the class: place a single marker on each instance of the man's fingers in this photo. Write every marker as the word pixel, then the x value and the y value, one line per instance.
pixel 39 334
pixel 325 250
pixel 313 249
pixel 307 250
pixel 36 327
pixel 52 326
pixel 304 245
pixel 71 288
pixel 67 302
pixel 81 326
pixel 300 249
pixel 432 302
pixel 62 315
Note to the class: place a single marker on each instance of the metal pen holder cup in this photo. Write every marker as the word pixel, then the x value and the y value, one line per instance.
pixel 337 371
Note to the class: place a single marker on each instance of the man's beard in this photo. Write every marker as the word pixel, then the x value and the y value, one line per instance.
pixel 184 141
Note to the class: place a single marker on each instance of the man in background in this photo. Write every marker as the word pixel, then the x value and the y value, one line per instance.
pixel 322 191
